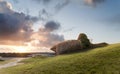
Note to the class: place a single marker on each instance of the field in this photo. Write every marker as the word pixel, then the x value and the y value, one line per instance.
pixel 104 60
pixel 6 61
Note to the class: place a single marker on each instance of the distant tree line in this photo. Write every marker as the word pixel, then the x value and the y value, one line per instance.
pixel 24 54
pixel 15 54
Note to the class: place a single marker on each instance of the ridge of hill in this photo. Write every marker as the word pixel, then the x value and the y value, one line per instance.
pixel 104 60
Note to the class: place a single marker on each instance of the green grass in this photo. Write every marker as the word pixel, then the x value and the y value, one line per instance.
pixel 105 60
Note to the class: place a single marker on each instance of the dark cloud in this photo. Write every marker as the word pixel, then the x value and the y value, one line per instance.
pixel 31 18
pixel 14 26
pixel 52 26
pixel 46 35
pixel 9 24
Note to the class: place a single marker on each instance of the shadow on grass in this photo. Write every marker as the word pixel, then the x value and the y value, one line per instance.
pixel 1 60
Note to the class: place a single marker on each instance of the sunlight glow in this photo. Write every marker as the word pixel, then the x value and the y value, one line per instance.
pixel 20 49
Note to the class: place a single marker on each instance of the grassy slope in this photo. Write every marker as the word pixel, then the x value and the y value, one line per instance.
pixel 2 62
pixel 104 60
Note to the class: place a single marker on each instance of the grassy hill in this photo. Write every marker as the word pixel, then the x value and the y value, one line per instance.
pixel 105 60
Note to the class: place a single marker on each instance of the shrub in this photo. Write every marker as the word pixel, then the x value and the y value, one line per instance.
pixel 99 45
pixel 85 43
pixel 67 46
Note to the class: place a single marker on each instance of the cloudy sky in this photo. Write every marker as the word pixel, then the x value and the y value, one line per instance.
pixel 47 22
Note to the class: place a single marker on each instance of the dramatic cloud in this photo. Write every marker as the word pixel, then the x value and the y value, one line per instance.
pixel 5 7
pixel 14 26
pixel 52 26
pixel 46 36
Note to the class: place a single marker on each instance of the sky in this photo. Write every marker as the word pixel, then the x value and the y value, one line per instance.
pixel 44 23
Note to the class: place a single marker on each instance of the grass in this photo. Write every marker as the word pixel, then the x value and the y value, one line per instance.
pixel 2 62
pixel 105 60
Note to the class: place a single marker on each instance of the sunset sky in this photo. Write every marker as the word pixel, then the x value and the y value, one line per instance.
pixel 44 23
